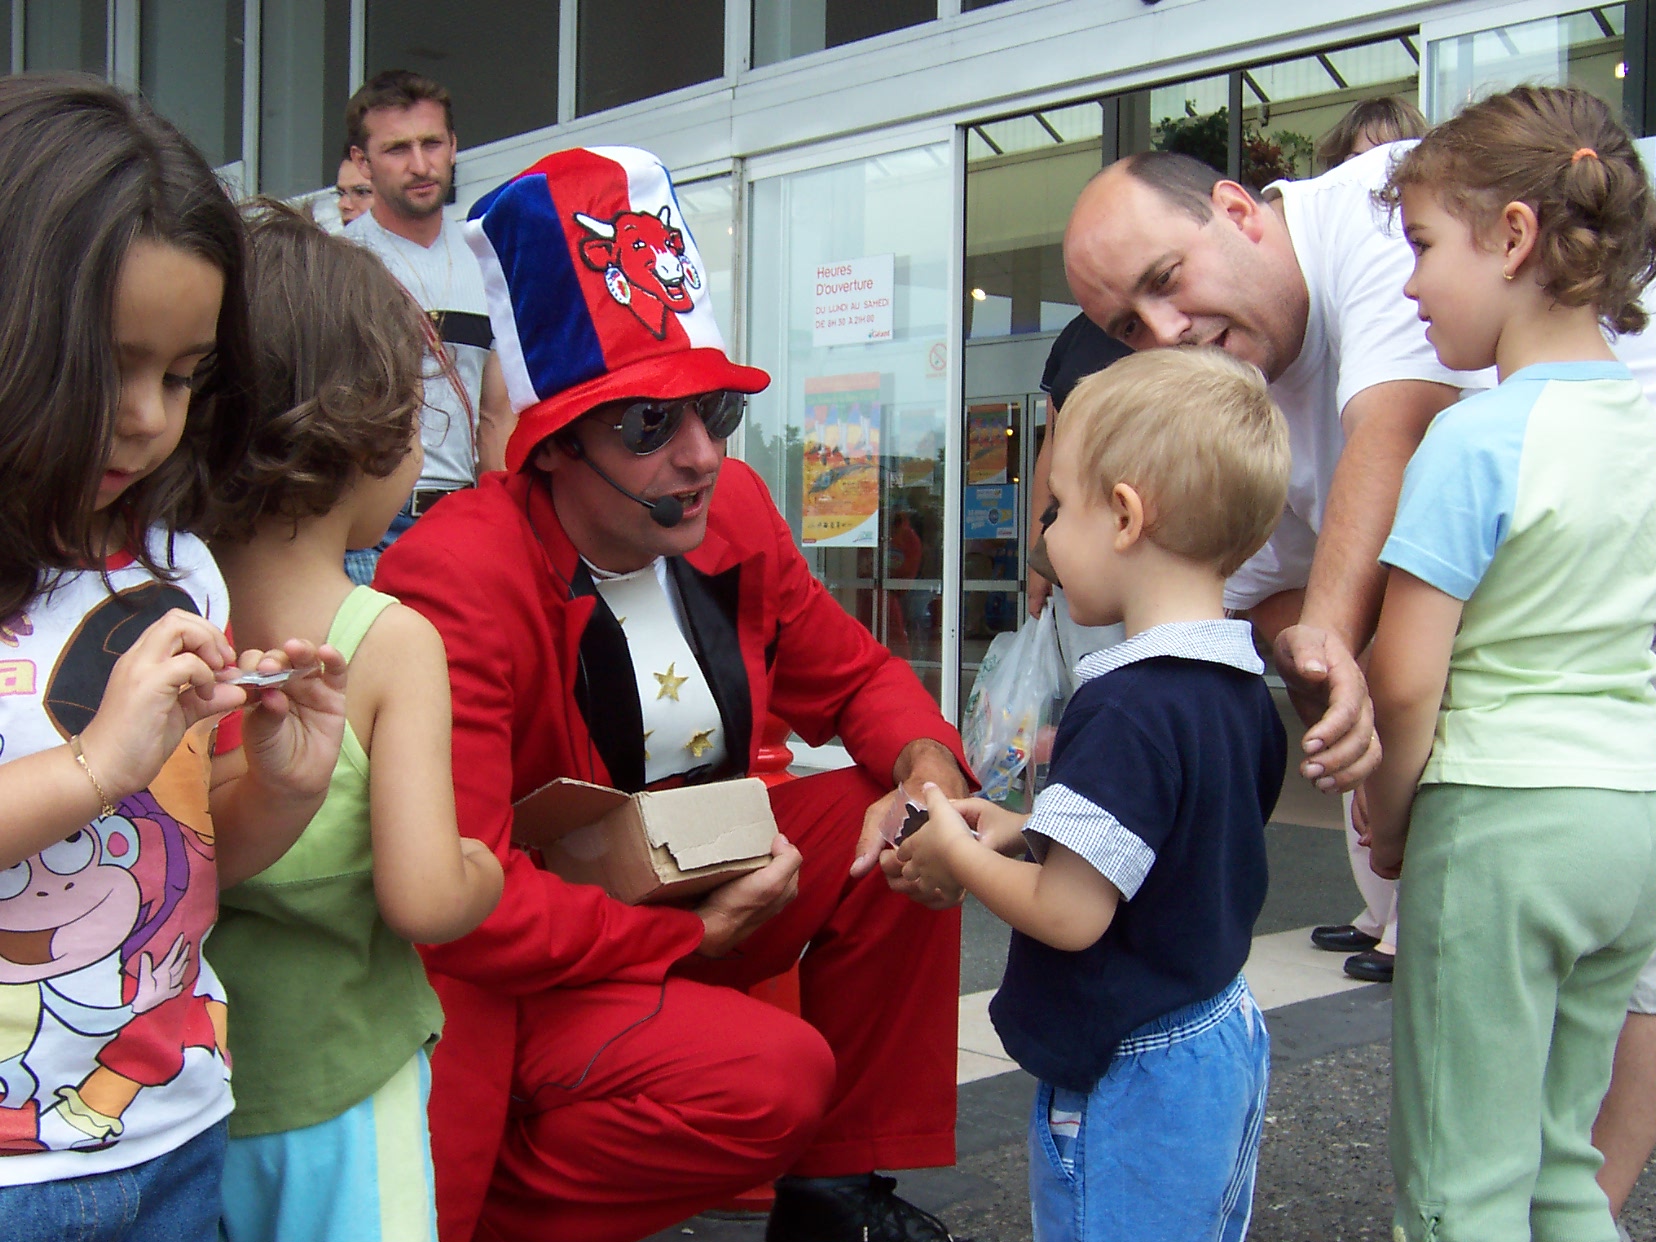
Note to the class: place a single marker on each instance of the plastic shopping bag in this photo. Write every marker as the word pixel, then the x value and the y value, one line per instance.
pixel 1018 692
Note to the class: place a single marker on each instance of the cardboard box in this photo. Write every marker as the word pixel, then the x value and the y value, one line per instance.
pixel 657 846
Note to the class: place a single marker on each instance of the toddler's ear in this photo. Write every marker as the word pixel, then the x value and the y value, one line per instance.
pixel 1127 507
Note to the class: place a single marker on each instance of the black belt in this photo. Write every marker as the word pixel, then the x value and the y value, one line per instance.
pixel 424 497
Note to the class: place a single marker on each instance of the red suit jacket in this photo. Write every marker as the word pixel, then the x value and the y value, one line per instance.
pixel 532 657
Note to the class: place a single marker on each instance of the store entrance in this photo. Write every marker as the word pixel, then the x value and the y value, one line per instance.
pixel 1005 416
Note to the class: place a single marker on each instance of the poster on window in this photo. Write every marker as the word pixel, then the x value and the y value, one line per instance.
pixel 841 435
pixel 991 511
pixel 987 437
pixel 851 301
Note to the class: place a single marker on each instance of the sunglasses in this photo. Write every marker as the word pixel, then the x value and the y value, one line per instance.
pixel 646 427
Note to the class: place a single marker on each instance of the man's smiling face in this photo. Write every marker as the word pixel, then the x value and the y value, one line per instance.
pixel 1151 274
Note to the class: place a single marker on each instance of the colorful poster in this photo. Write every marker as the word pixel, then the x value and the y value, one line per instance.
pixel 991 511
pixel 988 432
pixel 842 457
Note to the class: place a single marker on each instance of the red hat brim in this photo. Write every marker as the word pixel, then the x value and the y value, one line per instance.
pixel 682 374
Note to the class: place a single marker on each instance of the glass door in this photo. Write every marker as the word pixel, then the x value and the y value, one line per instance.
pixel 1002 437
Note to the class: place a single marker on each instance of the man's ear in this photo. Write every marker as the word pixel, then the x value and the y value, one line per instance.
pixel 1127 508
pixel 359 157
pixel 555 451
pixel 1232 202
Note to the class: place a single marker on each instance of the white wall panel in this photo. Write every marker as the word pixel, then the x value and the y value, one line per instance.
pixel 1010 57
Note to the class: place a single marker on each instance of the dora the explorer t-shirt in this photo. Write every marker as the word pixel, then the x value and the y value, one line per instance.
pixel 111 1023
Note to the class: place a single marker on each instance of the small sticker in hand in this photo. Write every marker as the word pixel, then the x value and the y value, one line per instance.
pixel 913 822
pixel 263 681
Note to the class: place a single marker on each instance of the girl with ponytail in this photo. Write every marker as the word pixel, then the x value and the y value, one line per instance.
pixel 1512 672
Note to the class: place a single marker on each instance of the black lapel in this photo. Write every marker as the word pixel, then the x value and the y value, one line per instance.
pixel 710 610
pixel 607 691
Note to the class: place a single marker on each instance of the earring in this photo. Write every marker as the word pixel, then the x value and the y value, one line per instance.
pixel 1507 275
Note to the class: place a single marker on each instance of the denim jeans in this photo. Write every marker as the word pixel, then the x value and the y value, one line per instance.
pixel 172 1198
pixel 1163 1149
pixel 361 562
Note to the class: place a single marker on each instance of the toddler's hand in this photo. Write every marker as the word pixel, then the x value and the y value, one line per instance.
pixel 158 689
pixel 292 737
pixel 926 854
pixel 998 828
pixel 1386 861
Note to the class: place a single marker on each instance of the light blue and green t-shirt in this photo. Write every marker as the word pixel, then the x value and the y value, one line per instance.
pixel 1535 503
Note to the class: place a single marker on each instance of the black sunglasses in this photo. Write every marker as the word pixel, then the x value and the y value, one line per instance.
pixel 648 426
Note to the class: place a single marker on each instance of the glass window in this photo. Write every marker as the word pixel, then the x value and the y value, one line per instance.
pixel 190 68
pixel 1022 175
pixel 633 49
pixel 709 208
pixel 1290 106
pixel 1578 49
pixel 305 66
pixel 849 312
pixel 66 34
pixel 783 29
pixel 966 6
pixel 498 60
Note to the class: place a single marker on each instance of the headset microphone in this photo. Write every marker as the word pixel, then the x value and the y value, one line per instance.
pixel 666 512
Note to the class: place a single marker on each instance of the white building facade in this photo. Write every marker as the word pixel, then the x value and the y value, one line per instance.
pixel 879 188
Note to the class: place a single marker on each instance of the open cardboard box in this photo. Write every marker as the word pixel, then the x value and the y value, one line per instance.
pixel 656 846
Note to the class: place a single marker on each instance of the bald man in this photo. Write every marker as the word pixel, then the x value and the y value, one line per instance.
pixel 1306 282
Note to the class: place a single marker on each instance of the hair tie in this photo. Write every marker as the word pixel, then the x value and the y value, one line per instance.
pixel 1584 152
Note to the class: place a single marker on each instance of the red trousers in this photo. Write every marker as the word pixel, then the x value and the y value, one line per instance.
pixel 635 1105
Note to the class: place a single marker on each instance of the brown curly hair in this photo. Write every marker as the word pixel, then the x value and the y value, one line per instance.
pixel 339 354
pixel 1559 151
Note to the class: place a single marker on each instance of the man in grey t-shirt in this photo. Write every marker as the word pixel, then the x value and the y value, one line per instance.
pixel 401 130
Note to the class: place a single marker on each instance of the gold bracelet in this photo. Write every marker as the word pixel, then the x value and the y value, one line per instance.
pixel 80 758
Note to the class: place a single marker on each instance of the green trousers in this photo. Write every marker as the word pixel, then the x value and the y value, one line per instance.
pixel 1524 918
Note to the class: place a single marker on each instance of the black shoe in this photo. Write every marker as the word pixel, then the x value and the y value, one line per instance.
pixel 1343 938
pixel 808 1211
pixel 1371 966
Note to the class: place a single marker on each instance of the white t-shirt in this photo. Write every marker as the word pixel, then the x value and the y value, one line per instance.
pixel 683 731
pixel 103 987
pixel 446 280
pixel 1360 331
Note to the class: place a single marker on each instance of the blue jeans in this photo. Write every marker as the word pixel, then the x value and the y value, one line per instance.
pixel 1164 1148
pixel 361 562
pixel 172 1198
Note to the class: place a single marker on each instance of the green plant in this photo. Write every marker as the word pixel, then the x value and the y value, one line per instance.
pixel 1265 157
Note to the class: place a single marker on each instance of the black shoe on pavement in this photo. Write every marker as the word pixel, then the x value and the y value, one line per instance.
pixel 808 1211
pixel 1343 938
pixel 1371 966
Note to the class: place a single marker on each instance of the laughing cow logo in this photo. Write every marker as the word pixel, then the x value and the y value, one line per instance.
pixel 644 264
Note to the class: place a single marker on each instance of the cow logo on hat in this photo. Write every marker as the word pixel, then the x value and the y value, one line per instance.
pixel 645 266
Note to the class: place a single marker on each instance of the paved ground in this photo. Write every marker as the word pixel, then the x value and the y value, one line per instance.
pixel 1323 1172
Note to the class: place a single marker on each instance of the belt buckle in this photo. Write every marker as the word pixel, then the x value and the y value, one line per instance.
pixel 422 498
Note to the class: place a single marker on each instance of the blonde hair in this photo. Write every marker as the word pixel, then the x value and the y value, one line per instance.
pixel 1196 434
pixel 1560 151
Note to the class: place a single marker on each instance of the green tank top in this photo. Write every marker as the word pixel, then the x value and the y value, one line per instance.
pixel 326 1002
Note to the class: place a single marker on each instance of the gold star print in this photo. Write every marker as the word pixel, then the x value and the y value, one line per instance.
pixel 700 743
pixel 621 621
pixel 669 684
pixel 647 733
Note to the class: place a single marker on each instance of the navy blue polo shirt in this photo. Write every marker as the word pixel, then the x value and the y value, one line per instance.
pixel 1166 767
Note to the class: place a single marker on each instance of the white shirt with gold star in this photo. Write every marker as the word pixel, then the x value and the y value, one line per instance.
pixel 682 728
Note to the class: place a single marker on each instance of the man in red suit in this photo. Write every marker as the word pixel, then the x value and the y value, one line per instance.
pixel 624 605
